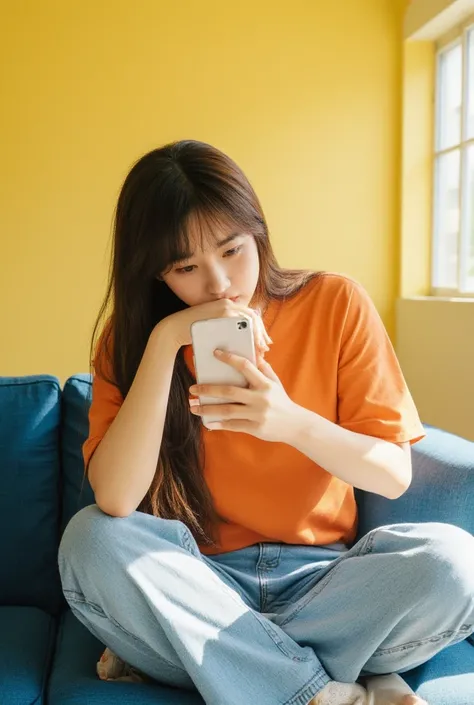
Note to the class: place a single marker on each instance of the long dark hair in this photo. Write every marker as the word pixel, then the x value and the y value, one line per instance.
pixel 163 190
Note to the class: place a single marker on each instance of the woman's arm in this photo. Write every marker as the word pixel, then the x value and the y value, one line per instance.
pixel 266 411
pixel 122 467
pixel 362 461
pixel 124 463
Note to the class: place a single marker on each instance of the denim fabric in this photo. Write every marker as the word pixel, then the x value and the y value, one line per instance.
pixel 271 623
pixel 74 681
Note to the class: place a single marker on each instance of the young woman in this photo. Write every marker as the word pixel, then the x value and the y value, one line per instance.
pixel 224 560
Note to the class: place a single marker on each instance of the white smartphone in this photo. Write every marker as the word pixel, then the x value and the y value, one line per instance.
pixel 232 334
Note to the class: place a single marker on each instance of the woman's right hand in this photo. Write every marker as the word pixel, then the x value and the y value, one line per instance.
pixel 179 324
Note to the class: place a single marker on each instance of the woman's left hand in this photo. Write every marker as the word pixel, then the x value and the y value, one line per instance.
pixel 263 409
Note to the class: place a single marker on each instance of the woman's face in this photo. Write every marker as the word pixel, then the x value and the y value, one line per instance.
pixel 223 265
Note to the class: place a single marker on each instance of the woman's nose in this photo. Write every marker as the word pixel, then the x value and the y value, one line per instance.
pixel 218 282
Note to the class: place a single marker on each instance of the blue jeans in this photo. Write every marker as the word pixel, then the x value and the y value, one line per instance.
pixel 271 623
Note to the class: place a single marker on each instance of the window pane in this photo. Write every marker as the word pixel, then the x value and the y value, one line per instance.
pixel 468 234
pixel 470 84
pixel 450 97
pixel 447 221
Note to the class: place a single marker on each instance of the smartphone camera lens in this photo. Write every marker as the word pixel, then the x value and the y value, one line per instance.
pixel 241 324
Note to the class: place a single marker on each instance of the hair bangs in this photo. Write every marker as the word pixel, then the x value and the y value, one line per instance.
pixel 202 226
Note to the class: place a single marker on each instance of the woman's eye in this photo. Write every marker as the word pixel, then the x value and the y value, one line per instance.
pixel 185 270
pixel 233 251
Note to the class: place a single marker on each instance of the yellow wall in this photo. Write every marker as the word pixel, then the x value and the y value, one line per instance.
pixel 417 167
pixel 424 12
pixel 434 337
pixel 435 346
pixel 306 96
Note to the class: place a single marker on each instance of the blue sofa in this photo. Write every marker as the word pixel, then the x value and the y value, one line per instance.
pixel 46 655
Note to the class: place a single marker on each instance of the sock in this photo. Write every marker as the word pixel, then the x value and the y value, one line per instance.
pixel 379 690
pixel 335 693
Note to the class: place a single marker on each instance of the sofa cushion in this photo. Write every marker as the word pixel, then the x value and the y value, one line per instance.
pixel 442 488
pixel 74 681
pixel 76 399
pixel 29 491
pixel 26 647
pixel 447 678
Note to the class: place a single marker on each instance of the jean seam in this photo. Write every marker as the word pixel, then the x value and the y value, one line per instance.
pixel 263 569
pixel 264 623
pixel 187 544
pixel 275 562
pixel 369 544
pixel 365 547
pixel 319 681
pixel 418 642
pixel 77 598
pixel 466 628
pixel 262 582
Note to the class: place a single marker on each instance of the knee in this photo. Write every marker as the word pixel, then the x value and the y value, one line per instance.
pixel 95 538
pixel 448 559
pixel 440 557
pixel 86 535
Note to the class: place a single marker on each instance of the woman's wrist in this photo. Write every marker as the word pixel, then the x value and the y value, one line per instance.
pixel 163 339
pixel 297 425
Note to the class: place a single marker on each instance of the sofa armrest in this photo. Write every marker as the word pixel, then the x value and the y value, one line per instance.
pixel 442 487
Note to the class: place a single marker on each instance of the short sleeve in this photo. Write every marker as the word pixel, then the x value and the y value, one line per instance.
pixel 106 401
pixel 373 397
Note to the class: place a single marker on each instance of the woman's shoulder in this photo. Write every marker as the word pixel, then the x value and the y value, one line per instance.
pixel 329 289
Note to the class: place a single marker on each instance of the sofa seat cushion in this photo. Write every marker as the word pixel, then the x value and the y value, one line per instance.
pixel 27 636
pixel 74 680
pixel 30 413
pixel 448 678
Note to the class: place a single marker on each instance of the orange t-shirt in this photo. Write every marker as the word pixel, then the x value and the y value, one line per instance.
pixel 334 357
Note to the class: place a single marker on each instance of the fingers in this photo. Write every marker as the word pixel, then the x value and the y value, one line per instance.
pixel 268 340
pixel 237 395
pixel 261 334
pixel 239 412
pixel 238 426
pixel 267 370
pixel 258 331
pixel 262 339
pixel 252 374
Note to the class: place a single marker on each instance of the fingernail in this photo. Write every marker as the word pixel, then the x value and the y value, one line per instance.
pixel 214 425
pixel 218 353
pixel 192 390
pixel 194 402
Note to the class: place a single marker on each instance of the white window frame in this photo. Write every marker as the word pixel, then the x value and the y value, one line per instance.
pixel 456 36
